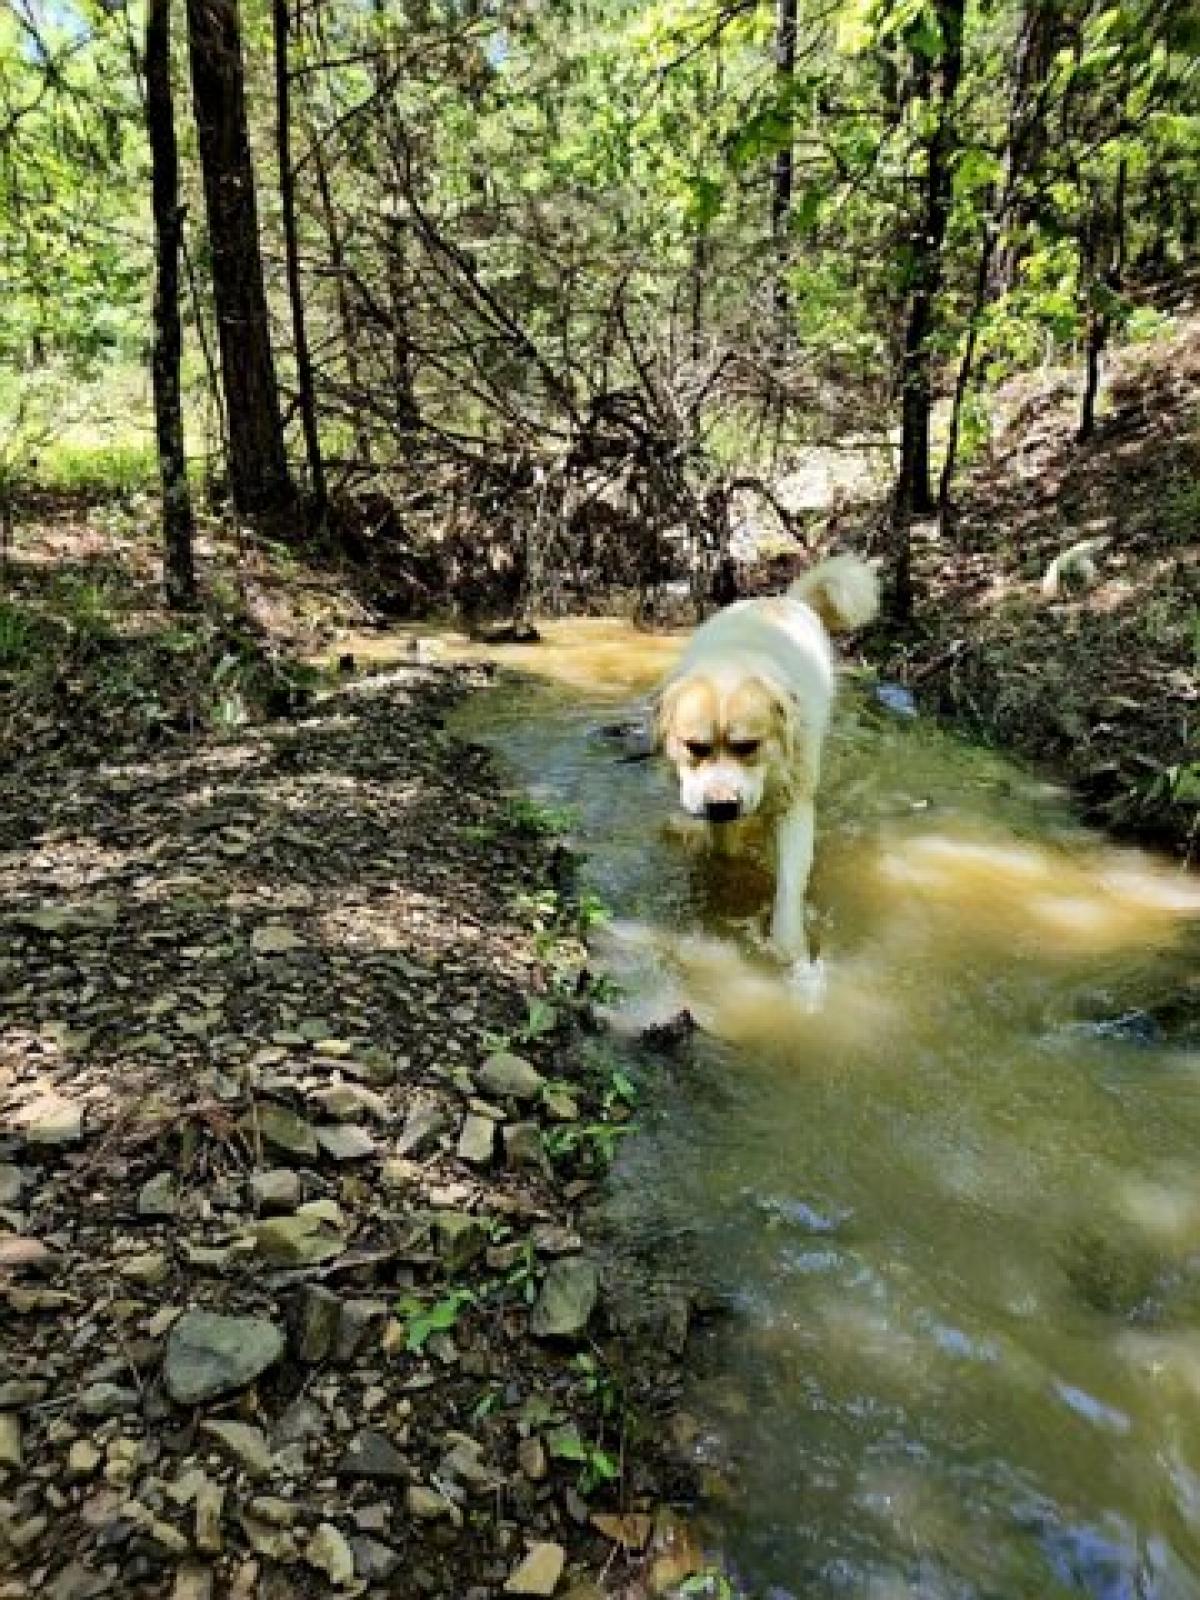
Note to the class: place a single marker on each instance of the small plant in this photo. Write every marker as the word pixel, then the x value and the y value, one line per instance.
pixel 424 1318
pixel 538 821
pixel 596 1465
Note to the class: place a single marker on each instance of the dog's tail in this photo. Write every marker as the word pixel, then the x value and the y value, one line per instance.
pixel 843 591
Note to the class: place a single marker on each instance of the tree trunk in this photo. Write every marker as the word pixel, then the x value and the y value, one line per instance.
pixel 258 469
pixel 287 196
pixel 966 367
pixel 1103 268
pixel 784 176
pixel 179 572
pixel 914 495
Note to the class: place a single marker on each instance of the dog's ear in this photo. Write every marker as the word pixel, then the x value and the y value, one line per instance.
pixel 660 712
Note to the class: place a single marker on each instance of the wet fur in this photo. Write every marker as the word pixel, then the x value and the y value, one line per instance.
pixel 752 693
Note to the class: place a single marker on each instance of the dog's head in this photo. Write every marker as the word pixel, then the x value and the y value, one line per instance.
pixel 731 743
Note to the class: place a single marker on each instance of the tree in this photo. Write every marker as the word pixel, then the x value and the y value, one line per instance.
pixel 258 469
pixel 179 574
pixel 281 27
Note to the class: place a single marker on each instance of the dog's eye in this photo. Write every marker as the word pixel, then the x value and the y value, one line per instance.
pixel 743 748
pixel 698 749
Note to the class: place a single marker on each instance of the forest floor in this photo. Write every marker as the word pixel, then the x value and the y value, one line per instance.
pixel 1101 685
pixel 301 1117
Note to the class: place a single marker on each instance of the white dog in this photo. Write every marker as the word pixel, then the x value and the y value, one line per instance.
pixel 743 716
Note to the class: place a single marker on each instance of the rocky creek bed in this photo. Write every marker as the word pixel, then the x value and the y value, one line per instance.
pixel 301 1116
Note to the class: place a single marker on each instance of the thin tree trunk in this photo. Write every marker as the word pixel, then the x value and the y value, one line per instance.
pixel 914 495
pixel 966 367
pixel 408 416
pixel 179 571
pixel 784 176
pixel 1104 266
pixel 287 196
pixel 346 314
pixel 258 469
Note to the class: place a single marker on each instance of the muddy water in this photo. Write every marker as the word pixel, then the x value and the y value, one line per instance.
pixel 954 1209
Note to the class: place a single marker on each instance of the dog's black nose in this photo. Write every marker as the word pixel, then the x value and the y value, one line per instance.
pixel 721 810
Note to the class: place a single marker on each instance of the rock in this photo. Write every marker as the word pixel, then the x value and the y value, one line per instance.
pixel 149 1267
pixel 275 939
pixel 631 1531
pixel 422 1129
pixel 155 1528
pixel 342 1102
pixel 276 1190
pixel 427 1505
pixel 50 1120
pixel 244 1443
pixel 274 1511
pixel 567 1299
pixel 329 1552
pixel 463 1463
pixel 108 1400
pixel 18 1254
pixel 371 1455
pixel 354 1326
pixel 11 1454
pixel 18 1393
pixel 345 1141
pixel 560 1106
pixel 277 1544
pixel 539 1572
pixel 210 1355
pixel 374 1561
pixel 281 1128
pixel 66 919
pixel 459 1238
pixel 158 1196
pixel 193 1583
pixel 510 1077
pixel 551 1240
pixel 477 1140
pixel 82 1460
pixel 302 1240
pixel 315 1317
pixel 523 1147
pixel 531 1458
pixel 333 1049
pixel 301 1421
pixel 78 1582
pixel 210 1507
pixel 896 699
pixel 397 1172
pixel 12 1184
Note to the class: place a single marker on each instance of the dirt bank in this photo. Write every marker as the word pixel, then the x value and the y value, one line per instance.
pixel 1100 681
pixel 295 1032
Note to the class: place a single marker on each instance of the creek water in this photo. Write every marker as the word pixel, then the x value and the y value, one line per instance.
pixel 952 1210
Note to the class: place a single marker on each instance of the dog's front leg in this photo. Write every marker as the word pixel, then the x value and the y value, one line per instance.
pixel 793 863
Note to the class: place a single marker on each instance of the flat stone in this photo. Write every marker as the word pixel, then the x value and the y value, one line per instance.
pixel 82 1460
pixel 275 939
pixel 77 1581
pixel 372 1455
pixel 342 1102
pixel 427 1505
pixel 277 1512
pixel 358 1319
pixel 510 1077
pixel 539 1572
pixel 207 1532
pixel 459 1238
pixel 282 1128
pixel 149 1267
pixel 17 1393
pixel 531 1458
pixel 108 1400
pixel 301 1421
pixel 397 1172
pixel 315 1317
pixel 158 1196
pixel 477 1140
pixel 193 1583
pixel 422 1129
pixel 345 1141
pixel 210 1355
pixel 242 1442
pixel 52 1119
pixel 20 1254
pixel 329 1553
pixel 301 1240
pixel 374 1561
pixel 11 1454
pixel 276 1190
pixel 567 1299
pixel 12 1184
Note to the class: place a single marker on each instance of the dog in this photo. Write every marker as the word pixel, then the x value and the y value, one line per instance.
pixel 743 714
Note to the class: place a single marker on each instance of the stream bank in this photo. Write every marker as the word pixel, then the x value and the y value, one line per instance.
pixel 302 1117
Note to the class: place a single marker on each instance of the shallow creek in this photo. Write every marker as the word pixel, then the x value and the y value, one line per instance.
pixel 953 1209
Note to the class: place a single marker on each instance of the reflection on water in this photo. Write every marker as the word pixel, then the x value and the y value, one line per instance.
pixel 957 1224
